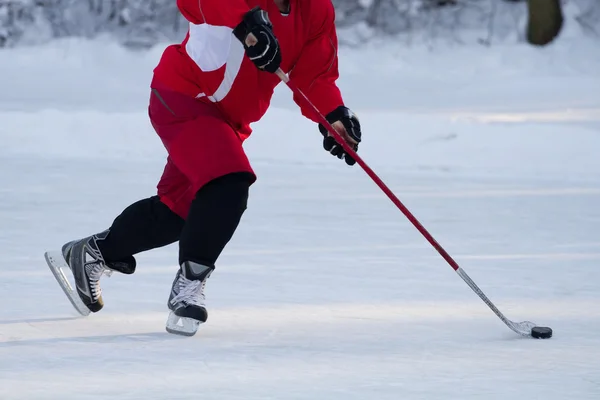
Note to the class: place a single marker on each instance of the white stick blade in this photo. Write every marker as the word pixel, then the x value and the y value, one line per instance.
pixel 522 328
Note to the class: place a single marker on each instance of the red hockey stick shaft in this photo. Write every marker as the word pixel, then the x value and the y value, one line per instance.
pixel 524 328
pixel 369 171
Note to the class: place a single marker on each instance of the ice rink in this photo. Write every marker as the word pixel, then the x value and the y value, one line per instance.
pixel 326 291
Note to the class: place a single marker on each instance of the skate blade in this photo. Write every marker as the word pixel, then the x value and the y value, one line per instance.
pixel 58 265
pixel 182 326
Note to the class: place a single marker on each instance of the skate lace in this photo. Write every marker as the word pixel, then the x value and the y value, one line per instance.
pixel 94 275
pixel 190 292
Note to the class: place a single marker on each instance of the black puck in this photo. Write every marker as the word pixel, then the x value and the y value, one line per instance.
pixel 541 332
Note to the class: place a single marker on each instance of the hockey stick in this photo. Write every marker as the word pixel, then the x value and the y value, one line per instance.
pixel 522 328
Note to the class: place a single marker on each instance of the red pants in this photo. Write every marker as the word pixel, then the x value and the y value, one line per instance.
pixel 201 145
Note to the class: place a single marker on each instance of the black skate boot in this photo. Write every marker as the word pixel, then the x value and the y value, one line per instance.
pixel 87 265
pixel 186 301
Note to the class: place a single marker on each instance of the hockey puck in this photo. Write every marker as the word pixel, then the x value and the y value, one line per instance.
pixel 541 332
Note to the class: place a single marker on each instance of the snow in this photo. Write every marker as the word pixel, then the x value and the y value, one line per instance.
pixel 326 291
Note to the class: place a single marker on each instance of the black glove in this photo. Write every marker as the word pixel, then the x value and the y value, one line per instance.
pixel 265 53
pixel 352 126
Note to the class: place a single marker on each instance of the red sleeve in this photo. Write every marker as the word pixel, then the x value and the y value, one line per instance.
pixel 214 12
pixel 316 71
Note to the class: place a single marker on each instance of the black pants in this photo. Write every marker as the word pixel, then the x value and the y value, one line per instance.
pixel 212 220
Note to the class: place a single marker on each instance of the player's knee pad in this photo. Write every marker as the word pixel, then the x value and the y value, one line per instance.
pixel 230 189
pixel 213 218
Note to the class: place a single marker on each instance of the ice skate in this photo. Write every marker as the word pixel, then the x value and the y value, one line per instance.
pixel 87 265
pixel 186 301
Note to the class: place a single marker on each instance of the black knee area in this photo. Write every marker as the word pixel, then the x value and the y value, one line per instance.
pixel 213 218
pixel 232 186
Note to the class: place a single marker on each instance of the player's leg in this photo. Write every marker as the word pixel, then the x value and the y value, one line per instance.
pixel 148 223
pixel 209 153
pixel 213 218
pixel 144 225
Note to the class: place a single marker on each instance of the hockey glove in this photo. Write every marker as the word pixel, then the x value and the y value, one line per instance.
pixel 256 34
pixel 346 123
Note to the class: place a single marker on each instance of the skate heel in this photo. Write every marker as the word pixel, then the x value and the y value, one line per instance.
pixel 183 326
pixel 58 266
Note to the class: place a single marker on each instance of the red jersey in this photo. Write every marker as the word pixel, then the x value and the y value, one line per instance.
pixel 210 64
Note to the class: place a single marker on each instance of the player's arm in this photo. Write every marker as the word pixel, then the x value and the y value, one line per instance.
pixel 316 72
pixel 214 12
pixel 251 26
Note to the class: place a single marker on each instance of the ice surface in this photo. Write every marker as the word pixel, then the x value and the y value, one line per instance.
pixel 326 291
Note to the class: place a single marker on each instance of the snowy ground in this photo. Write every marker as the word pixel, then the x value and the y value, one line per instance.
pixel 326 291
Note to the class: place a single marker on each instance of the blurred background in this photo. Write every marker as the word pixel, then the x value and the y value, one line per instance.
pixel 143 23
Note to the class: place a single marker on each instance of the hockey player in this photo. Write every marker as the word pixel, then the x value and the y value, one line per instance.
pixel 204 94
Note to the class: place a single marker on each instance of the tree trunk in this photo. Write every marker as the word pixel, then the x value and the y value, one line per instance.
pixel 545 21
